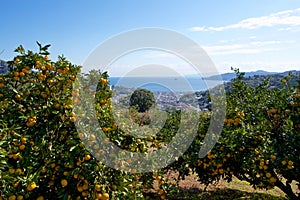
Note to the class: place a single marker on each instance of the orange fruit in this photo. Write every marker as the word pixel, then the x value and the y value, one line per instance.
pixel 66 173
pixel 22 147
pixel 85 187
pixel 273 180
pixel 97 187
pixel 79 188
pixel 12 197
pixel 64 182
pixel 44 170
pixel 30 123
pixel 290 166
pixel 114 187
pixel 105 196
pixel 72 77
pixel 57 105
pixel 161 192
pixel 44 95
pixel 84 194
pixel 92 137
pixel 18 97
pixel 16 74
pixel 23 140
pixel 31 186
pixel 20 197
pixel 98 196
pixel 268 175
pixel 87 157
pixel 19 171
pixel 273 157
pixel 114 127
pixel 22 74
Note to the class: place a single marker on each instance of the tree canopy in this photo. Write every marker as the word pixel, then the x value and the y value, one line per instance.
pixel 143 99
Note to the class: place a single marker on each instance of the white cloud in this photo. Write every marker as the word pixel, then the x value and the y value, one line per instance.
pixel 262 43
pixel 290 29
pixel 290 18
pixel 198 28
pixel 246 48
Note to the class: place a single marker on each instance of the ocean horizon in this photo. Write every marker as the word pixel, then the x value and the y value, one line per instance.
pixel 165 84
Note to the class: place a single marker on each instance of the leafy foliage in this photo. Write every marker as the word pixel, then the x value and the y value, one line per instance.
pixel 260 139
pixel 142 99
pixel 44 156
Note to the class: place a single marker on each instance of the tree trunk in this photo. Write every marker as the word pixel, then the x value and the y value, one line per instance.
pixel 287 189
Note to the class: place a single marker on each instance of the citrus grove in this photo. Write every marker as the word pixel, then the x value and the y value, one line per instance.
pixel 44 156
pixel 260 141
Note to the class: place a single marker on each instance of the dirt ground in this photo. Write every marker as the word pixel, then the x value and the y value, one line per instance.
pixel 191 188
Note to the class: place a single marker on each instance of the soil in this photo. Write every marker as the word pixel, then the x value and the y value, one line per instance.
pixel 191 188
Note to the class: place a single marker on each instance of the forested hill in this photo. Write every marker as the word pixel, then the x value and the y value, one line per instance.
pixel 3 67
pixel 229 76
pixel 275 81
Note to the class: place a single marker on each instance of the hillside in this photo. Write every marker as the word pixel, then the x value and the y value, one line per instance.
pixel 275 81
pixel 229 76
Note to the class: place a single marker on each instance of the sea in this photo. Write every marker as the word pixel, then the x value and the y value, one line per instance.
pixel 165 84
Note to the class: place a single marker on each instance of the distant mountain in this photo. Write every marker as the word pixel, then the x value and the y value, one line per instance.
pixel 229 76
pixel 3 67
pixel 287 72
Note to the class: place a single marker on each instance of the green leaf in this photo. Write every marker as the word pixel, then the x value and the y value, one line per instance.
pixel 20 49
pixel 39 44
pixel 72 148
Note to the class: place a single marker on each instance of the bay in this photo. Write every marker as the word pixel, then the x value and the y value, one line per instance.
pixel 165 84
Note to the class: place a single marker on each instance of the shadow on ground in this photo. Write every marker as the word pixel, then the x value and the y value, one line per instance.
pixel 226 194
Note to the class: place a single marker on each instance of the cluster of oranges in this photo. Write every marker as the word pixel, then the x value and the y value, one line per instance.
pixel 289 164
pixel 22 73
pixel 31 121
pixel 230 122
pixel 103 81
pixel 213 166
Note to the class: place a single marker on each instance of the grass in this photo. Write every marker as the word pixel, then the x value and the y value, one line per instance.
pixel 220 193
pixel 234 194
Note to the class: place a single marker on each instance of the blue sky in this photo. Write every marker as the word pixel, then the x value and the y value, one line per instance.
pixel 249 34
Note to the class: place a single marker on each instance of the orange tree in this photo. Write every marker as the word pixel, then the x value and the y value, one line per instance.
pixel 42 154
pixel 263 130
pixel 260 141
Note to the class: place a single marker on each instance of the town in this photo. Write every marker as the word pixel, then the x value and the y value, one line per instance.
pixel 165 100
